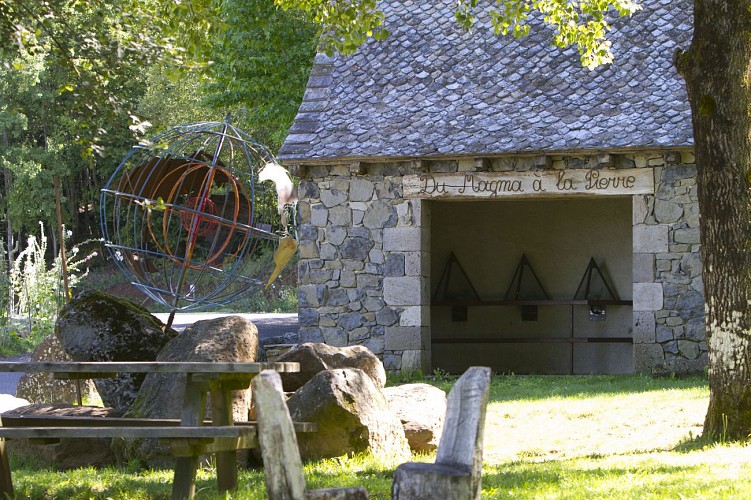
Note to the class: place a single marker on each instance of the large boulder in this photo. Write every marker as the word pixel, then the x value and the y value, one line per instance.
pixel 352 416
pixel 96 326
pixel 44 387
pixel 421 409
pixel 227 339
pixel 68 453
pixel 316 357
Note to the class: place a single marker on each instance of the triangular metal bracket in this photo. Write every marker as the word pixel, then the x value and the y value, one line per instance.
pixel 585 292
pixel 443 291
pixel 519 289
pixel 516 289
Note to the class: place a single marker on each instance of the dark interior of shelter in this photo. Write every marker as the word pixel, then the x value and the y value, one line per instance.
pixel 532 286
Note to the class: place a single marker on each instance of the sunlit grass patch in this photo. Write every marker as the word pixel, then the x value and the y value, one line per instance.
pixel 546 437
pixel 713 472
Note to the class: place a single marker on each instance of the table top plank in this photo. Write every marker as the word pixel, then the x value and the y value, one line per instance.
pixel 9 419
pixel 143 367
pixel 161 432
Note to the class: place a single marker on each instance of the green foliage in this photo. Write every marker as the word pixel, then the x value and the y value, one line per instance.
pixel 97 48
pixel 584 24
pixel 42 136
pixel 261 63
pixel 173 97
pixel 33 294
pixel 347 24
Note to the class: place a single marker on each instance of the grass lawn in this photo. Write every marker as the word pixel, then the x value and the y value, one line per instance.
pixel 546 437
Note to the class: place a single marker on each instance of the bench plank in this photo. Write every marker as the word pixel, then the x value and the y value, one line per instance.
pixel 89 368
pixel 192 447
pixel 156 432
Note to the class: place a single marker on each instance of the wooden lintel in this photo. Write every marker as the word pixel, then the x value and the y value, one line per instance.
pixel 358 168
pixel 543 161
pixel 579 181
pixel 482 164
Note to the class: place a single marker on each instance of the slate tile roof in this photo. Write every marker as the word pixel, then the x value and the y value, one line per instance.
pixel 433 90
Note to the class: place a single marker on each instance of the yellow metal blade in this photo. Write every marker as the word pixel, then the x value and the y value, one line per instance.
pixel 285 251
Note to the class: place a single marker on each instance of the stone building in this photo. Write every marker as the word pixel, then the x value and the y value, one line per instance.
pixel 470 199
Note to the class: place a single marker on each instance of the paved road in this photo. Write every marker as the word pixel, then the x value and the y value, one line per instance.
pixel 8 381
pixel 269 326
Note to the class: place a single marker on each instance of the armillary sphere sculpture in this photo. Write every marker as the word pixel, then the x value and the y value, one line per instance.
pixel 190 220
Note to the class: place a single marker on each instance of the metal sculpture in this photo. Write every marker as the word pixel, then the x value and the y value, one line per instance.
pixel 189 218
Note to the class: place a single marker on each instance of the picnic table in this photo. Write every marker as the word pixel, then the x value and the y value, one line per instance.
pixel 189 437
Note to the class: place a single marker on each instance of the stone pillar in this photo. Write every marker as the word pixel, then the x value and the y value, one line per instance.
pixel 668 326
pixel 406 288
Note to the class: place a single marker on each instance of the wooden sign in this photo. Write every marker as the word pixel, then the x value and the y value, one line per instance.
pixel 605 181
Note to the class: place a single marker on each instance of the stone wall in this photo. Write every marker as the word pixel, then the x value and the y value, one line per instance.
pixel 365 257
pixel 362 269
pixel 669 333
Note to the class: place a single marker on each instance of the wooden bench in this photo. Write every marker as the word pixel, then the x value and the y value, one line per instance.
pixel 281 456
pixel 457 471
pixel 203 439
pixel 189 437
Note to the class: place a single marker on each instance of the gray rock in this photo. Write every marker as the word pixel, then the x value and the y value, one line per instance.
pixel 360 190
pixel 340 216
pixel 350 321
pixel 317 357
pixel 319 215
pixel 96 326
pixel 352 417
pixel 331 198
pixel 695 329
pixel 386 317
pixel 421 408
pixel 225 339
pixel 394 267
pixel 356 248
pixel 663 333
pixel 380 214
pixel 667 212
pixel 44 387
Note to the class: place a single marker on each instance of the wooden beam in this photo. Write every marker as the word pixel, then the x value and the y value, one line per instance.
pixel 672 158
pixel 297 170
pixel 605 160
pixel 482 164
pixel 422 166
pixel 543 161
pixel 358 168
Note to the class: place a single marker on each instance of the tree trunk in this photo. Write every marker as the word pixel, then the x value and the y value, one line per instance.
pixel 717 72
